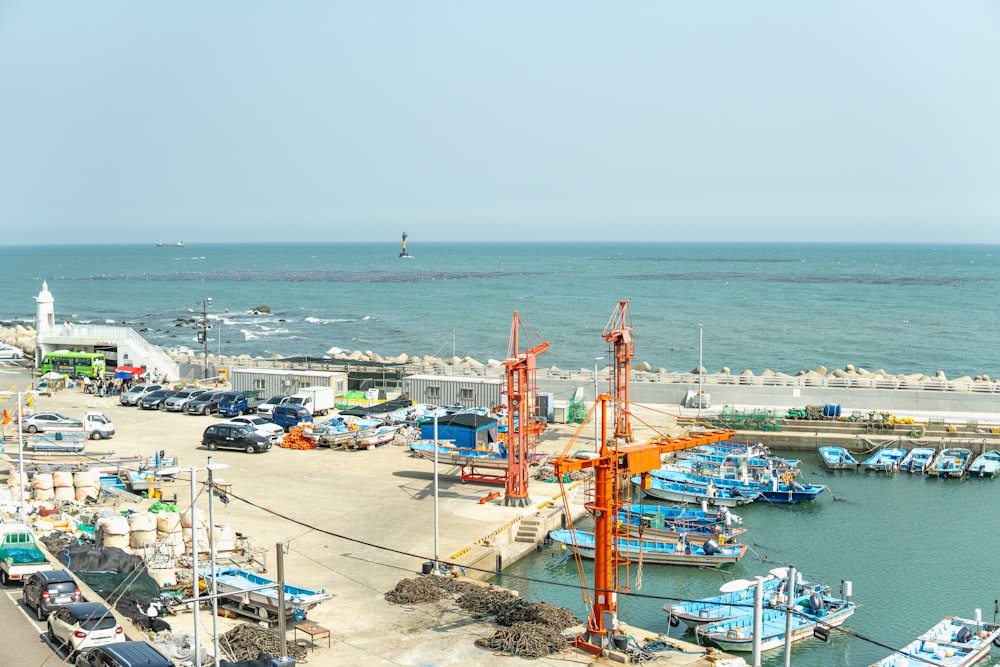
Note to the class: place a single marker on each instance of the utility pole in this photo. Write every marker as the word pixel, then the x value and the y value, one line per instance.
pixel 203 334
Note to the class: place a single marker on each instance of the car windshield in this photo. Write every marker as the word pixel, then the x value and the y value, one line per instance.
pixel 230 396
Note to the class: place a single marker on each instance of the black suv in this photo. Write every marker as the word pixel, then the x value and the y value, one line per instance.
pixel 204 404
pixel 234 436
pixel 46 591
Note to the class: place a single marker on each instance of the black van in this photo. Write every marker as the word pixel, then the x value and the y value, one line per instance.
pixel 124 654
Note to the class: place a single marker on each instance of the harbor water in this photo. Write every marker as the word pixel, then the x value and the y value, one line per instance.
pixel 916 549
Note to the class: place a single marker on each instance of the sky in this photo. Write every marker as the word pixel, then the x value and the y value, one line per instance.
pixel 856 120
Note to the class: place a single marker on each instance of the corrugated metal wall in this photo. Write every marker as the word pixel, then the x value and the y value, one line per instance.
pixel 267 382
pixel 446 390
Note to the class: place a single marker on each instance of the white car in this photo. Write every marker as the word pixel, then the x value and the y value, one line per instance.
pixel 261 425
pixel 10 352
pixel 80 625
pixel 267 407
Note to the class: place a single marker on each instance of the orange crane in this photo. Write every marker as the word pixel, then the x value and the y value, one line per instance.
pixel 522 427
pixel 613 468
pixel 618 334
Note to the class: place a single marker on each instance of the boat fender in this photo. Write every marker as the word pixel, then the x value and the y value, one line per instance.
pixel 711 501
pixel 674 621
pixel 740 502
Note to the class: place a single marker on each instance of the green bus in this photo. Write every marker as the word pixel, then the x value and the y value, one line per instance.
pixel 74 364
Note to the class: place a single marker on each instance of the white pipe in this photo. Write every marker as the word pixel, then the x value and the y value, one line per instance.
pixel 758 618
pixel 194 568
pixel 435 570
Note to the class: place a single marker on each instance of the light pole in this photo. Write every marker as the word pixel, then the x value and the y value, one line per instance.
pixel 701 375
pixel 196 596
pixel 597 436
pixel 203 334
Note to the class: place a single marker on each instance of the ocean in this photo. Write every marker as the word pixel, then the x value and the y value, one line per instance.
pixel 915 549
pixel 905 309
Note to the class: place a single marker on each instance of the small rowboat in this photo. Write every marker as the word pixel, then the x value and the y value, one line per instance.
pixel 236 583
pixel 952 642
pixel 708 554
pixel 838 458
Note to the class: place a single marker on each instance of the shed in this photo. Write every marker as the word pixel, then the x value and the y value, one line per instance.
pixel 468 392
pixel 467 430
pixel 269 382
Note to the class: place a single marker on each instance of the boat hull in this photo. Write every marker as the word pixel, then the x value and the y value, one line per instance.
pixel 736 634
pixel 234 583
pixel 941 645
pixel 651 552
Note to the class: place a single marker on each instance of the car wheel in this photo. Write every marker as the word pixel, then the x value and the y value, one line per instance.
pixel 249 449
pixel 52 636
pixel 32 428
pixel 95 435
pixel 206 410
pixel 161 406
pixel 3 578
pixel 39 613
pixel 212 446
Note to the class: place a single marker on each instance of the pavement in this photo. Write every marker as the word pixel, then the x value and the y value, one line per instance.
pixel 354 523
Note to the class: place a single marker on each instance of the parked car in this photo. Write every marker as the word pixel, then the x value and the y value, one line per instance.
pixel 132 396
pixel 235 436
pixel 261 425
pixel 267 406
pixel 124 654
pixel 180 399
pixel 48 590
pixel 44 421
pixel 154 400
pixel 10 352
pixel 204 404
pixel 82 625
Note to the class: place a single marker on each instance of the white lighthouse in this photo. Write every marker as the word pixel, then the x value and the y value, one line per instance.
pixel 45 319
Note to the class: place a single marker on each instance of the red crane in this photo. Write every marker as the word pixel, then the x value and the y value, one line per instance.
pixel 618 333
pixel 522 427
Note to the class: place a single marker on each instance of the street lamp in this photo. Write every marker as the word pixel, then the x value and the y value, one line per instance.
pixel 20 447
pixel 701 375
pixel 166 472
pixel 597 437
pixel 203 334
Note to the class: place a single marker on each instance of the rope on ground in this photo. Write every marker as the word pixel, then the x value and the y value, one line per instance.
pixel 247 641
pixel 529 640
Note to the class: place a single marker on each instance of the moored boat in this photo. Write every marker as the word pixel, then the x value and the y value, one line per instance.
pixel 736 634
pixel 709 554
pixel 695 494
pixel 735 599
pixel 917 459
pixel 885 459
pixel 950 462
pixel 952 642
pixel 777 488
pixel 838 458
pixel 986 464
pixel 653 526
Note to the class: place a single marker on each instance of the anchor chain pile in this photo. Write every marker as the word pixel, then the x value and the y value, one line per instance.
pixel 533 629
pixel 247 641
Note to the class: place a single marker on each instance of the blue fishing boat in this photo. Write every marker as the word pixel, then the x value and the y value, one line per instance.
pixel 952 642
pixel 838 458
pixel 775 488
pixel 708 554
pixel 818 609
pixel 917 460
pixel 653 526
pixel 950 462
pixel 695 494
pixel 735 599
pixel 450 454
pixel 885 459
pixel 236 585
pixel 689 515
pixel 986 464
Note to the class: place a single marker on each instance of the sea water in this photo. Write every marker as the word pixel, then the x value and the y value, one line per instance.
pixel 785 307
pixel 916 549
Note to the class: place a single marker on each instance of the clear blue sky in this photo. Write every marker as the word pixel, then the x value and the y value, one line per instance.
pixel 788 120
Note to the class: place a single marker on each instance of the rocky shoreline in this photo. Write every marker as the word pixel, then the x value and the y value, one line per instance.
pixel 24 338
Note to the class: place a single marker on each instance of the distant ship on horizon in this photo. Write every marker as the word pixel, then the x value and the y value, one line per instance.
pixel 178 244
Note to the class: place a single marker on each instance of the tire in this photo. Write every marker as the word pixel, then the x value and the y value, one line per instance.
pixel 39 613
pixel 52 636
pixel 95 435
pixel 249 449
pixel 674 621
pixel 4 579
pixel 211 446
pixel 31 428
pixel 740 502
pixel 206 410
pixel 161 406
pixel 711 501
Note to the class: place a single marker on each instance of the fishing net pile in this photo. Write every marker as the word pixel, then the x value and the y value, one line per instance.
pixel 533 630
pixel 247 642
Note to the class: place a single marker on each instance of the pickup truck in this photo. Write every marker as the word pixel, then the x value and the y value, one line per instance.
pixel 235 403
pixel 20 556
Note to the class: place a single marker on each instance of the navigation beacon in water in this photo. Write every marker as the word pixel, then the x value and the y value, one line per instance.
pixel 403 253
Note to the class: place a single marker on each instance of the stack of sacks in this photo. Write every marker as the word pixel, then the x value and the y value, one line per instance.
pixel 63 486
pixel 112 531
pixel 194 521
pixel 224 540
pixel 168 533
pixel 87 484
pixel 142 529
pixel 16 479
pixel 41 486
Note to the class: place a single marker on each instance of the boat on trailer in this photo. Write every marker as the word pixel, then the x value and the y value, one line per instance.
pixel 952 642
pixel 235 583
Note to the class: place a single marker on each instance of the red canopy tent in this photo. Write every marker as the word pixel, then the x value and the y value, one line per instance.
pixel 131 370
